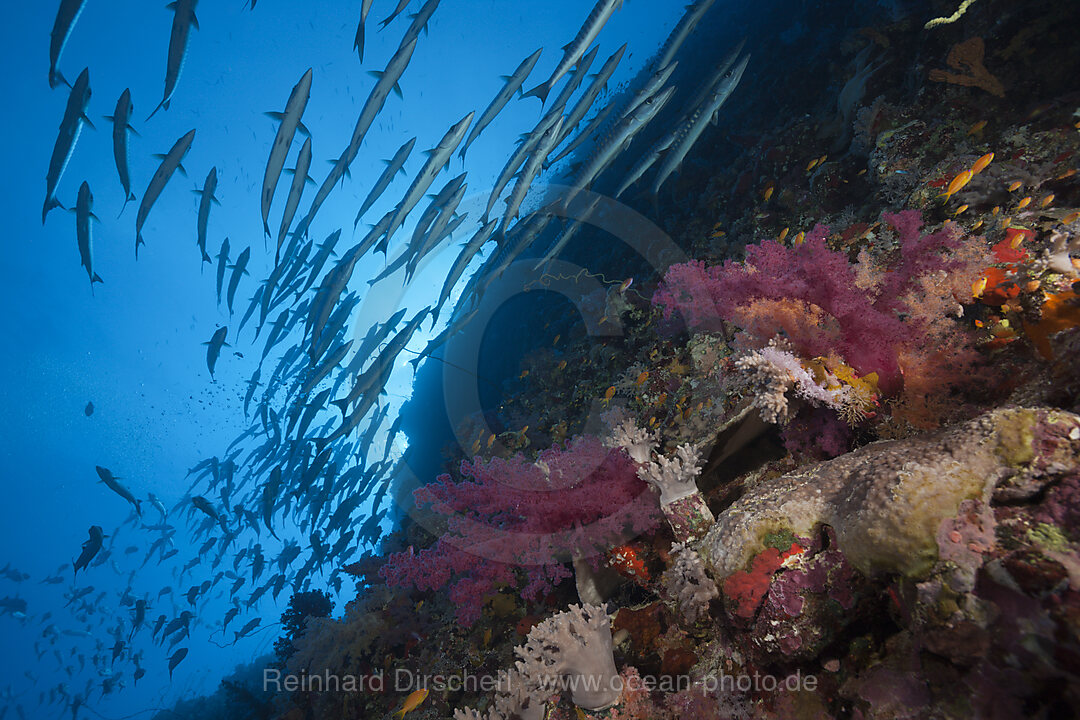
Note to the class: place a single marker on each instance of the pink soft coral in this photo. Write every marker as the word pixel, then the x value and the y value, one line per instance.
pixel 509 514
pixel 812 295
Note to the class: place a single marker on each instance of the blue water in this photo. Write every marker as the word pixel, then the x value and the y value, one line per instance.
pixel 132 345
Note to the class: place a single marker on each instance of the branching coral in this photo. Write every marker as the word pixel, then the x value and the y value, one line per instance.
pixel 967 57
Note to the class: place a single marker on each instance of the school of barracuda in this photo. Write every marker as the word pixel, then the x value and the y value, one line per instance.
pixel 304 471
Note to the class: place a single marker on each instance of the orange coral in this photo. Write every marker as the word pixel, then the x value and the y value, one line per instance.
pixel 967 57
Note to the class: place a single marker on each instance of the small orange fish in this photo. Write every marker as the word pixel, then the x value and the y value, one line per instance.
pixel 769 189
pixel 1015 185
pixel 524 374
pixel 798 240
pixel 976 128
pixel 960 209
pixel 1006 221
pixel 1067 174
pixel 652 421
pixel 861 173
pixel 561 365
pixel 783 234
pixel 626 284
pixel 1017 238
pixel 811 165
pixel 981 163
pixel 977 225
pixel 642 377
pixel 491 440
pixel 1024 203
pixel 1071 217
pixel 996 210
pixel 556 340
pixel 957 183
pixel 1047 200
pixel 412 702
pixel 609 394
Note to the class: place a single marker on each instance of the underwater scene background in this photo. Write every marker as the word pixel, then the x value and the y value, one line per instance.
pixel 488 359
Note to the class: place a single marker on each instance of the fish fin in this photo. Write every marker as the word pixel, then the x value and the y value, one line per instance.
pixel 397 90
pixel 110 118
pixel 506 78
pixel 310 180
pixel 86 119
pixel 377 74
pixel 213 199
pixel 180 167
pixel 194 20
pixel 158 156
pixel 303 129
pixel 275 115
pixel 133 131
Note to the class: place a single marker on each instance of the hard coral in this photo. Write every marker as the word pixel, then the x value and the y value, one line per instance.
pixel 886 501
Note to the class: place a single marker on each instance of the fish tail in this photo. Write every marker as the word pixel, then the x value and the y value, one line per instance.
pixel 138 241
pixel 540 91
pixel 57 78
pixel 207 258
pixel 129 198
pixel 50 203
pixel 163 105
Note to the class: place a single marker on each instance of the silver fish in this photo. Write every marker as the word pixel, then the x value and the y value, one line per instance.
pixel 696 124
pixel 685 26
pixel 388 81
pixel 618 140
pixel 83 215
pixel 601 13
pixel 289 123
pixel 394 166
pixel 463 259
pixel 222 260
pixel 438 157
pixel 402 4
pixel 300 179
pixel 121 121
pixel 213 348
pixel 513 85
pixel 206 198
pixel 517 159
pixel 358 41
pixel 170 162
pixel 66 16
pixel 183 19
pixel 585 103
pixel 239 270
pixel 529 171
pixel 70 129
